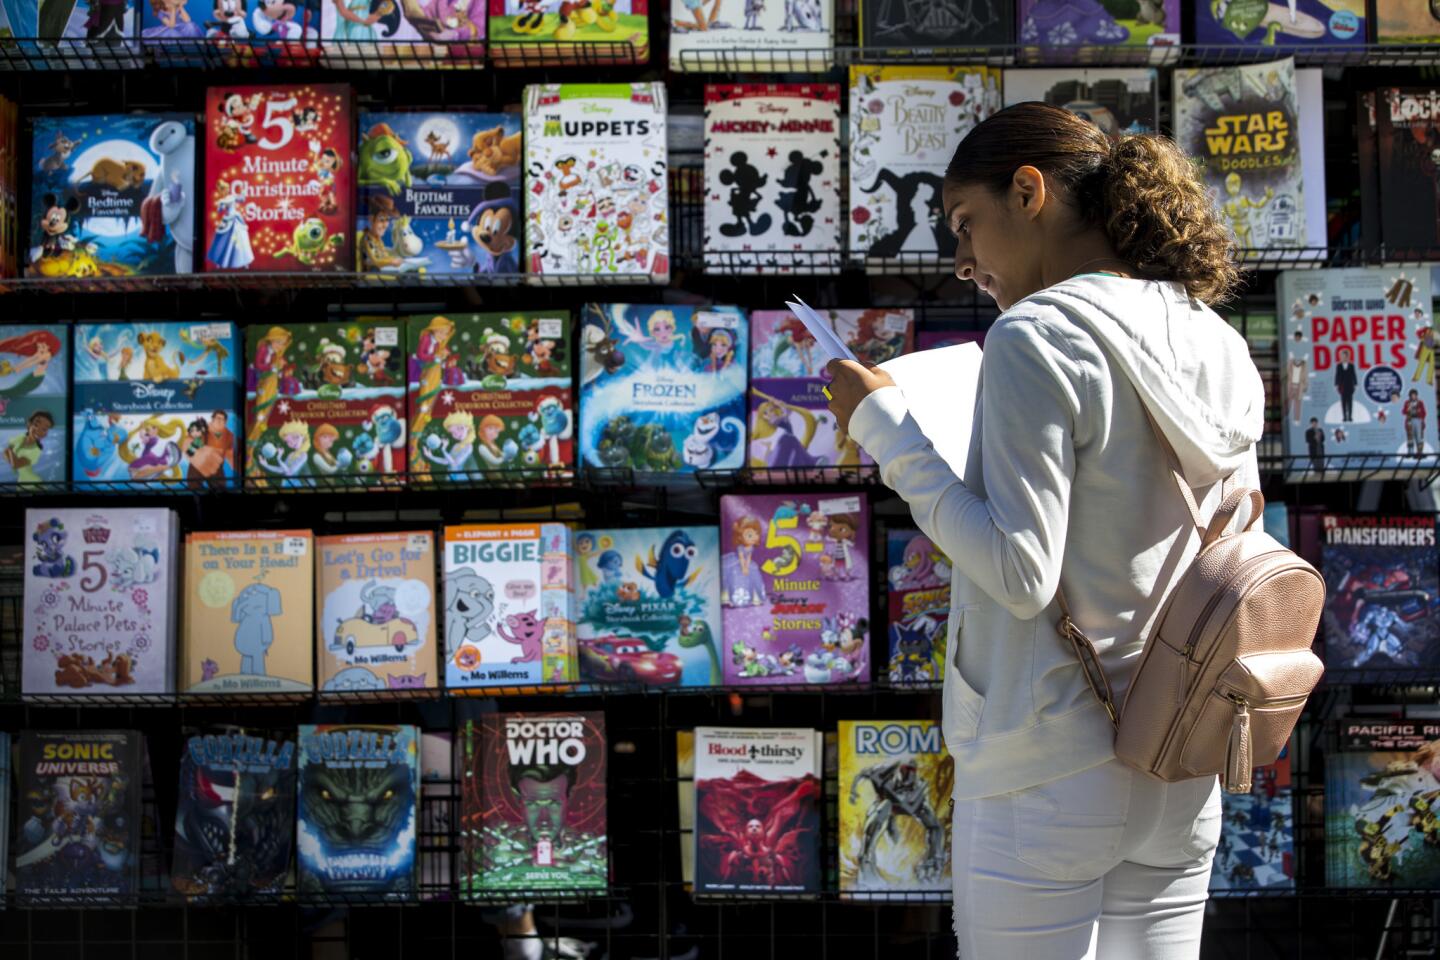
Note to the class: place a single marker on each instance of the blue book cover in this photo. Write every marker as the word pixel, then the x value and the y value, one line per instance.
pixel 439 192
pixel 223 21
pixel 112 196
pixel 34 378
pixel 648 606
pixel 662 388
pixel 1257 839
pixel 1380 792
pixel 19 19
pixel 1278 23
pixel 155 403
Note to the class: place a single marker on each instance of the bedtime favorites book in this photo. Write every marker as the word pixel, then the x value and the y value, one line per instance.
pixel 1302 23
pixel 1357 368
pixel 1382 592
pixel 648 606
pixel 235 814
pixel 905 26
pixel 596 194
pixel 100 601
pixel 896 779
pixel 1067 23
pixel 325 403
pixel 112 196
pixel 249 612
pixel 279 184
pixel 757 810
pixel 1381 788
pixel 1240 125
pixel 155 404
pixel 34 378
pixel 78 827
pixel 532 804
pixel 358 800
pixel 530 33
pixel 795 588
pixel 791 426
pixel 1257 837
pixel 662 388
pixel 748 35
pixel 905 123
pixel 490 397
pixel 1119 101
pixel 439 192
pixel 375 596
pixel 918 580
pixel 509 605
pixel 772 178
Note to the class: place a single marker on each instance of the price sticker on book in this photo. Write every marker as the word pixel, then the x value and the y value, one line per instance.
pixel 705 320
pixel 838 505
pixel 895 323
pixel 294 546
pixel 387 336
pixel 550 327
pixel 419 541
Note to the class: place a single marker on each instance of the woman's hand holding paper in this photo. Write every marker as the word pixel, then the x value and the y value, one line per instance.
pixel 851 382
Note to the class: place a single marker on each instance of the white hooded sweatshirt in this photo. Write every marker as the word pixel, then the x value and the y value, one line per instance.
pixel 1064 473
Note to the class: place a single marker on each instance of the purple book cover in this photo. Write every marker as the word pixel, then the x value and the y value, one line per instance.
pixel 795 588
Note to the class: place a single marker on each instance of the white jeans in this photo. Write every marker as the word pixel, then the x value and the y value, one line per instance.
pixel 1106 863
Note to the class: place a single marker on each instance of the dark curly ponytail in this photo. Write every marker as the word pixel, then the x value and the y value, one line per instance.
pixel 1142 191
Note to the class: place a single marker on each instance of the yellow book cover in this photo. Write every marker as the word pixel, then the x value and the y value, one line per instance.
pixel 249 612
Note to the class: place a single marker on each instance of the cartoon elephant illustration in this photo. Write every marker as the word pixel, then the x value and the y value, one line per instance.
pixel 251 611
pixel 469 601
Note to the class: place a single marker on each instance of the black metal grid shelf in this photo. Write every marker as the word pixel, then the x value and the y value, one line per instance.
pixel 212 282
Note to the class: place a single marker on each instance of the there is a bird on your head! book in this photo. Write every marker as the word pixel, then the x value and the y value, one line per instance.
pixel 34 405
pixel 794 36
pixel 490 397
pixel 439 192
pixel 375 596
pixel 112 196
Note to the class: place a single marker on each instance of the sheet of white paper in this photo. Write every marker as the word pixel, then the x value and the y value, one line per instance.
pixel 939 387
pixel 832 345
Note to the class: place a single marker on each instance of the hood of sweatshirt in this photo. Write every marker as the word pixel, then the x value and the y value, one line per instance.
pixel 1191 369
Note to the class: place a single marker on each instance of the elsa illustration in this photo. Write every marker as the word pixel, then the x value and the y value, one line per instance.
pixel 460 456
pixel 658 338
pixel 230 250
pixel 295 438
pixel 112 363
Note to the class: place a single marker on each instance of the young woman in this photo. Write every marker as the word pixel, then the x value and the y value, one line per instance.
pixel 1103 257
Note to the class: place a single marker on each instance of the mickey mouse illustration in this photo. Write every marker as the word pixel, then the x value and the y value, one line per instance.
pixel 496 249
pixel 744 181
pixel 55 224
pixel 799 201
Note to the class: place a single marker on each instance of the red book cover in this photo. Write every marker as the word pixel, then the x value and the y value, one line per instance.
pixel 279 180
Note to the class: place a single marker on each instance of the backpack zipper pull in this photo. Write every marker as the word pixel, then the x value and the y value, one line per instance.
pixel 1237 752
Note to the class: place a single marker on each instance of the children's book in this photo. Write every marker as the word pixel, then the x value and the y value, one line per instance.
pixel 1257 837
pixel 685 800
pixel 249 612
pixel 325 404
pixel 1407 126
pixel 648 606
pixel 596 180
pixel 905 26
pixel 401 34
pixel 491 397
pixel 279 182
pixel 112 196
pixel 1119 101
pixel 376 604
pixel 155 404
pixel 1296 23
pixel 9 175
pixel 528 33
pixel 662 388
pixel 34 396
pixel 1100 23
pixel 509 605
pixel 100 601
pixel 439 192
pixel 1404 21
pixel 108 22
pixel 918 578
pixel 1382 592
pixel 795 588
pixel 751 36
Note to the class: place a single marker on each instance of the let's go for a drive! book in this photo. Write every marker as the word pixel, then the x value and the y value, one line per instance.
pixel 34 424
pixel 1382 592
pixel 532 804
pixel 358 802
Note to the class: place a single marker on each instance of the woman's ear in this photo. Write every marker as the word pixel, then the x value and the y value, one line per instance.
pixel 1028 189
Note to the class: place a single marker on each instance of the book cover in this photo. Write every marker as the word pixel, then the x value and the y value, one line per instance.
pixel 1277 522
pixel 9 176
pixel 234 814
pixel 279 181
pixel 905 123
pixel 112 196
pixel 376 600
pixel 578 31
pixel 904 26
pixel 1067 23
pixel 772 178
pixel 155 404
pixel 21 19
pixel 751 36
pixel 4 809
pixel 78 829
pixel 685 802
pixel 439 808
pixel 918 600
pixel 795 588
pixel 1407 127
pixel 1240 125
pixel 34 399
pixel 1405 21
pixel 1367 147
pixel 1381 786
pixel 1302 23
pixel 790 421
pixel 358 800
pixel 509 605
pixel 1119 101
pixel 100 594
pixel 648 606
pixel 395 35
pixel 249 612
pixel 1357 366
pixel 491 397
pixel 757 811
pixel 98 22
pixel 1382 592
pixel 439 192
pixel 1257 837
pixel 325 404
pixel 220 22
pixel 533 803
pixel 596 179
pixel 896 778
pixel 662 388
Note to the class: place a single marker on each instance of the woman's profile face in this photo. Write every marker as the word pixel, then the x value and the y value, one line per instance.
pixel 995 246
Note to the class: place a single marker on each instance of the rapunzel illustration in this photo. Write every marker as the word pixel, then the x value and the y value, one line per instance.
pixel 773 442
pixel 36 348
pixel 265 374
pixel 428 366
pixel 150 452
